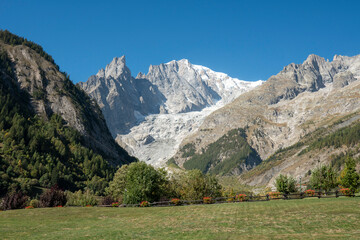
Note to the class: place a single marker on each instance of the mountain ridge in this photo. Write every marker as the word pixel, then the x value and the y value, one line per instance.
pixel 180 92
pixel 275 112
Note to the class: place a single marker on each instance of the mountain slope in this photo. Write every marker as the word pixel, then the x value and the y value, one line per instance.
pixel 51 131
pixel 331 144
pixel 295 102
pixel 150 115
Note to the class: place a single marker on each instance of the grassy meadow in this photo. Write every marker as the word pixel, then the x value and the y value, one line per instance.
pixel 278 219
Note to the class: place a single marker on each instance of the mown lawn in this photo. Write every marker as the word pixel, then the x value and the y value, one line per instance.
pixel 278 219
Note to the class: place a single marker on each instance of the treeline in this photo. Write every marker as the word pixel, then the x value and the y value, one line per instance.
pixel 141 182
pixel 132 184
pixel 347 136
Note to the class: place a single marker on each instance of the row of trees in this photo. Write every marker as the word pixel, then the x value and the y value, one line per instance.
pixel 141 182
pixel 324 178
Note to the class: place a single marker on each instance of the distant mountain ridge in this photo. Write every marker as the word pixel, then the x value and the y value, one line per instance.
pixel 152 113
pixel 288 106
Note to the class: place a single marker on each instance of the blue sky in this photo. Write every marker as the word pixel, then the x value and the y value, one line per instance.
pixel 249 40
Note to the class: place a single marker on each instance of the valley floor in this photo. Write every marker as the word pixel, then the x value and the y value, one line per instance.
pixel 280 219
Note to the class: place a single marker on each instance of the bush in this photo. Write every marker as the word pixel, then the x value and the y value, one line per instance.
pixel 346 191
pixel 285 184
pixel 53 197
pixel 34 203
pixel 241 197
pixel 229 194
pixel 176 201
pixel 144 204
pixel 16 200
pixel 108 200
pixel 194 185
pixel 274 195
pixel 310 192
pixel 207 200
pixel 80 198
pixel 115 204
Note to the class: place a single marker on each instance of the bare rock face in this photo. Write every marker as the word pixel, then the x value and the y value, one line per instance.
pixel 52 92
pixel 123 99
pixel 150 115
pixel 189 87
pixel 295 102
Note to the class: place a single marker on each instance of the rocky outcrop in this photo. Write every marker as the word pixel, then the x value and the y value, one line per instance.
pixel 123 99
pixel 189 87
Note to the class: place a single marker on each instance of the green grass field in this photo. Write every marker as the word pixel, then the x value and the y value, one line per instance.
pixel 278 219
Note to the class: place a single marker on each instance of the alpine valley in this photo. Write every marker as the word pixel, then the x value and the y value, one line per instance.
pixel 178 115
pixel 192 117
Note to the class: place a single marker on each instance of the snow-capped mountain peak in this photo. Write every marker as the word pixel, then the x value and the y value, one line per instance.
pixel 152 114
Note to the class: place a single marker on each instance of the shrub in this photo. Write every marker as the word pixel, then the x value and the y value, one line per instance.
pixel 29 207
pixel 274 195
pixel 229 194
pixel 34 203
pixel 53 197
pixel 285 184
pixel 115 204
pixel 176 201
pixel 310 192
pixel 80 198
pixel 108 200
pixel 207 200
pixel 16 200
pixel 194 185
pixel 241 197
pixel 230 199
pixel 346 191
pixel 144 204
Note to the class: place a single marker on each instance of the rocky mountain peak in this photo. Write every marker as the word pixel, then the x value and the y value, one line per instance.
pixel 313 58
pixel 337 57
pixel 116 68
pixel 141 75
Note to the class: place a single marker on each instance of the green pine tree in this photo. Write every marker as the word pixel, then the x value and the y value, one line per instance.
pixel 349 178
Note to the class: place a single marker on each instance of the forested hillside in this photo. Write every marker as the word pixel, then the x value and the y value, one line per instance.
pixel 45 150
pixel 231 154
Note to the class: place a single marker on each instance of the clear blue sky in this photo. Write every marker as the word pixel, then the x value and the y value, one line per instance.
pixel 249 40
